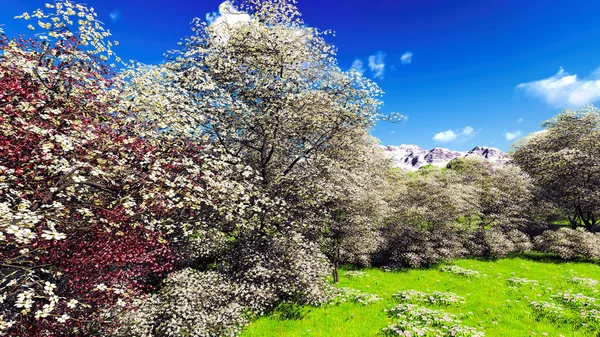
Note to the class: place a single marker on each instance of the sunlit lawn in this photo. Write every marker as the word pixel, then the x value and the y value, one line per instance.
pixel 492 304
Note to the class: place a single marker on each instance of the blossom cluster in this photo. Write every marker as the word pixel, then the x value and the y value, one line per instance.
pixel 412 320
pixel 586 282
pixel 456 270
pixel 547 309
pixel 521 281
pixel 578 300
pixel 92 212
pixel 436 297
pixel 355 274
pixel 351 295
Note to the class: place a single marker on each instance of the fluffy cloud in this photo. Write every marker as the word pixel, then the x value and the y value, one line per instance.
pixel 227 14
pixel 467 131
pixel 358 66
pixel 451 135
pixel 445 136
pixel 115 15
pixel 512 135
pixel 377 64
pixel 565 90
pixel 406 58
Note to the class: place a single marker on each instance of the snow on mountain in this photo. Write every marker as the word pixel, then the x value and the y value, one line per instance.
pixel 412 157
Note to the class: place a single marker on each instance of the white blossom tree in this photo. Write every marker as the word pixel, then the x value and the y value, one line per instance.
pixel 564 164
pixel 358 185
pixel 502 193
pixel 264 93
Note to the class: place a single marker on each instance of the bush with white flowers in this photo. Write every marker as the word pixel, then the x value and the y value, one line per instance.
pixel 190 303
pixel 569 243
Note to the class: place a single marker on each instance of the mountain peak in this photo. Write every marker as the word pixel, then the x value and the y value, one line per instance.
pixel 412 157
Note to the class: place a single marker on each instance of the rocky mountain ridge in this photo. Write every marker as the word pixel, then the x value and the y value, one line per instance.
pixel 413 157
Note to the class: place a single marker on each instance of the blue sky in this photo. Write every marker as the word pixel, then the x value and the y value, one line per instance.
pixel 464 72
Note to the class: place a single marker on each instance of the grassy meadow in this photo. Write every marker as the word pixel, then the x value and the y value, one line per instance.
pixel 496 303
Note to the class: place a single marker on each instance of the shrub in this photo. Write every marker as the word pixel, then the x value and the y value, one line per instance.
pixel 287 311
pixel 72 220
pixel 285 267
pixel 569 243
pixel 413 246
pixel 418 247
pixel 500 243
pixel 190 303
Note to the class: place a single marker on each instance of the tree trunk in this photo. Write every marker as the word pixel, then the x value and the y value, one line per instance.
pixel 573 222
pixel 336 263
pixel 336 277
pixel 589 221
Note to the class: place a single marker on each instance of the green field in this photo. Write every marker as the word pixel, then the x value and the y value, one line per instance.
pixel 493 304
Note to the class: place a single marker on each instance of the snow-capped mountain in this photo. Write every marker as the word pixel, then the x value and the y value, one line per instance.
pixel 412 157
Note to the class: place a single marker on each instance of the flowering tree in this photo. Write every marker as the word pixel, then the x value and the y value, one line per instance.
pixel 502 192
pixel 265 92
pixel 429 217
pixel 357 183
pixel 92 209
pixel 54 92
pixel 433 198
pixel 271 92
pixel 564 164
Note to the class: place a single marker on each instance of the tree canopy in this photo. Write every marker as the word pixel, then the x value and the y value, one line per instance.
pixel 564 164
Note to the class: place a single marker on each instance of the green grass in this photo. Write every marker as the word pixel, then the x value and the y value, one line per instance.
pixel 492 304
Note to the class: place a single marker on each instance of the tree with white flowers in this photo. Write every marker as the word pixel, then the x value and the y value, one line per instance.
pixel 358 185
pixel 502 193
pixel 564 164
pixel 264 93
pixel 264 90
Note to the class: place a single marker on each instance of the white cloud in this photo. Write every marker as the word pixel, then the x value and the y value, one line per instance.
pixel 520 120
pixel 358 66
pixel 565 90
pixel 377 64
pixel 468 130
pixel 445 136
pixel 406 58
pixel 115 15
pixel 451 135
pixel 227 14
pixel 513 135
